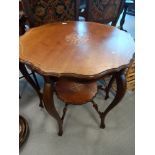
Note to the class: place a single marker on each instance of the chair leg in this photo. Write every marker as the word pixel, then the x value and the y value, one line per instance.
pixel 123 19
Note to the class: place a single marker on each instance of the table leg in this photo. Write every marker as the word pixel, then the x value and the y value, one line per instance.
pixel 49 103
pixel 25 73
pixel 121 89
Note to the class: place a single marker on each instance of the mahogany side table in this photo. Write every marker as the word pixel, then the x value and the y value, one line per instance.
pixel 80 51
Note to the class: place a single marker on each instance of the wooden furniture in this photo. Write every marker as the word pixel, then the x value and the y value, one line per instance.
pixel 81 52
pixel 22 21
pixel 128 4
pixel 74 92
pixel 40 12
pixel 110 83
pixel 131 8
pixel 23 130
pixel 104 11
pixel 82 8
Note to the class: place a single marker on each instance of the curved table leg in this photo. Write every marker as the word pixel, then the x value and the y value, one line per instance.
pixel 121 89
pixel 49 103
pixel 25 73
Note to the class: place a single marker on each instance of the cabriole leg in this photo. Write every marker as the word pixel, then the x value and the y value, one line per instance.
pixel 49 103
pixel 121 89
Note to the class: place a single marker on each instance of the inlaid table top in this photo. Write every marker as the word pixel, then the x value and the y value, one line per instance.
pixel 76 49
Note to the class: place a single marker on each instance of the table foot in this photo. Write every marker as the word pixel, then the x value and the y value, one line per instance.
pixel 49 103
pixel 106 97
pixel 41 105
pixel 60 133
pixel 102 125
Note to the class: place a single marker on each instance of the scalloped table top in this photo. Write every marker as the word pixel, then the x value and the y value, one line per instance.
pixel 76 48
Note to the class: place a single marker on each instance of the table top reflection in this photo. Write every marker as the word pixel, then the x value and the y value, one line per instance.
pixel 76 49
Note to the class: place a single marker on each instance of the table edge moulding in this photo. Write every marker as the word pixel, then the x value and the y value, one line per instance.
pixel 45 70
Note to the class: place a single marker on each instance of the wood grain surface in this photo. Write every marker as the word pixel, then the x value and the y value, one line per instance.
pixel 76 48
pixel 74 92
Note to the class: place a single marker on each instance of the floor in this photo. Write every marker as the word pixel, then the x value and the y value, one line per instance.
pixel 82 135
pixel 129 24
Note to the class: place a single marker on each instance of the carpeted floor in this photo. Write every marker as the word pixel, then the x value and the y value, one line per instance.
pixel 82 135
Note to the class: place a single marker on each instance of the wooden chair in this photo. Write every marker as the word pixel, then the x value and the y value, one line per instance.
pixel 129 4
pixel 82 8
pixel 40 12
pixel 104 11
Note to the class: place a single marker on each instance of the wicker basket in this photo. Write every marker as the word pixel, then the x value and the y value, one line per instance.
pixel 130 76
